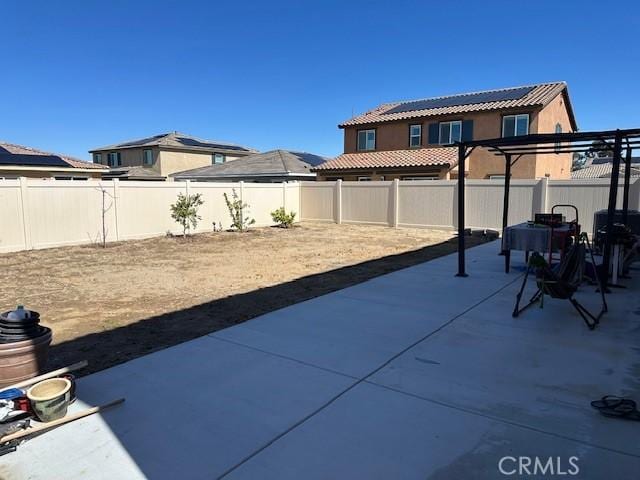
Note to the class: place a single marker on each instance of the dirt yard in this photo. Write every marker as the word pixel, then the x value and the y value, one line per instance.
pixel 111 305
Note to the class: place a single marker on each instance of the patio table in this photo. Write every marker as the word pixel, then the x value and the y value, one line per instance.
pixel 529 238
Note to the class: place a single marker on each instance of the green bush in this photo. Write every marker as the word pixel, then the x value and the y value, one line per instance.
pixel 185 211
pixel 282 218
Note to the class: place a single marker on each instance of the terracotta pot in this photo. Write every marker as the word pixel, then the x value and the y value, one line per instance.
pixel 24 359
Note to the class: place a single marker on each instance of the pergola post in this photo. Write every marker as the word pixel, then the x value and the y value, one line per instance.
pixel 627 183
pixel 611 209
pixel 462 153
pixel 505 204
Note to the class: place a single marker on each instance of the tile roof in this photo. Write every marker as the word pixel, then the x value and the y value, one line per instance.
pixel 29 156
pixel 178 140
pixel 537 95
pixel 419 157
pixel 272 163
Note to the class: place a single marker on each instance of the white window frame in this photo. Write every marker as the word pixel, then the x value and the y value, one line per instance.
pixel 144 157
pixel 412 135
pixel 213 158
pixel 450 140
pixel 516 118
pixel 434 176
pixel 117 162
pixel 97 158
pixel 366 140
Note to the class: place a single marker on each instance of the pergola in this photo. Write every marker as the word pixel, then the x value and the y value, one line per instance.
pixel 513 148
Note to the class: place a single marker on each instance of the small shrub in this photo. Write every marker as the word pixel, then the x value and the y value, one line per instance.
pixel 236 210
pixel 282 218
pixel 185 211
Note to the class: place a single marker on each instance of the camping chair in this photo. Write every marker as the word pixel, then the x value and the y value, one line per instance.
pixel 562 281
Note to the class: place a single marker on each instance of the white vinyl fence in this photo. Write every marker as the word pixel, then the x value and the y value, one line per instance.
pixel 47 213
pixel 429 203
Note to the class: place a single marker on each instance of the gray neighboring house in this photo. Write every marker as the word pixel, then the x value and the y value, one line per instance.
pixel 602 168
pixel 268 167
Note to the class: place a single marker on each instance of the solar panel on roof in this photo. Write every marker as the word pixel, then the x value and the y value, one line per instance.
pixel 32 160
pixel 191 142
pixel 142 141
pixel 465 99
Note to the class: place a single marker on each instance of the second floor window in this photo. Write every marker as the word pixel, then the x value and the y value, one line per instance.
pixel 366 140
pixel 415 135
pixel 218 158
pixel 97 158
pixel 450 132
pixel 114 159
pixel 558 145
pixel 515 125
pixel 147 155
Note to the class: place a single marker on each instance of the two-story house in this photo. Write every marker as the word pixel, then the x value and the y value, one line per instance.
pixel 157 157
pixel 413 140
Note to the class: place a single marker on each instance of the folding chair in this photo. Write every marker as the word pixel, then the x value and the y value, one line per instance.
pixel 562 281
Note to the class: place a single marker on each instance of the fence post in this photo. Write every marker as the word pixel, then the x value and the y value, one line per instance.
pixel 284 196
pixel 395 195
pixel 116 194
pixel 544 194
pixel 338 212
pixel 24 204
pixel 634 195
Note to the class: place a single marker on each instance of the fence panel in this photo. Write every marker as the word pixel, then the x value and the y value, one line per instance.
pixel 12 235
pixel 317 201
pixel 427 203
pixel 367 202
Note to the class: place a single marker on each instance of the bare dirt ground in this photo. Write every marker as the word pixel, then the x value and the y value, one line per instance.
pixel 111 305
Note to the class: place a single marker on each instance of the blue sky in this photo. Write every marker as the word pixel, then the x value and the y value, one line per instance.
pixel 81 74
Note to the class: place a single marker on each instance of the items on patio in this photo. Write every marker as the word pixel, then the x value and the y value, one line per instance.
pixel 24 345
pixel 44 403
pixel 563 281
pixel 617 407
pixel 549 232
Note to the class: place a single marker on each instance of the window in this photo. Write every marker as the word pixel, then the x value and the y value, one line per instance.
pixel 422 177
pixel 218 158
pixel 71 178
pixel 114 159
pixel 496 177
pixel 515 125
pixel 147 156
pixel 364 179
pixel 450 132
pixel 558 144
pixel 415 135
pixel 366 140
pixel 97 158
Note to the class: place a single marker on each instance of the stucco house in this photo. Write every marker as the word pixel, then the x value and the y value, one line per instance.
pixel 20 161
pixel 161 155
pixel 413 139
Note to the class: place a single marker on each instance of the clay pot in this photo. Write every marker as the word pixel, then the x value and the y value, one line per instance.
pixel 24 359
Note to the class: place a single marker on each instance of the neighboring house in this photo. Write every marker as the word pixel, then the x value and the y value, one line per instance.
pixel 602 167
pixel 166 153
pixel 20 161
pixel 412 140
pixel 267 167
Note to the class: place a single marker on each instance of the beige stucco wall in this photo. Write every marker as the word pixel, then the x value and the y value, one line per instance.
pixel 482 163
pixel 172 161
pixel 132 157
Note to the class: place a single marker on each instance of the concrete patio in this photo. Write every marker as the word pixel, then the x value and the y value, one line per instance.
pixel 415 374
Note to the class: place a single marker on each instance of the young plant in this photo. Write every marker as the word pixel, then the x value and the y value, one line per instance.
pixel 236 208
pixel 185 211
pixel 282 218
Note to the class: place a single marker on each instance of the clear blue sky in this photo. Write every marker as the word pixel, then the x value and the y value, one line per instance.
pixel 81 74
